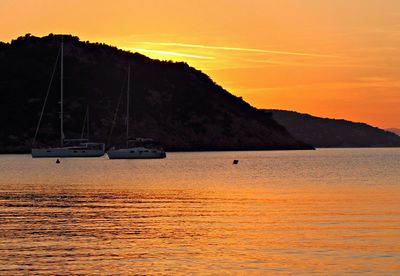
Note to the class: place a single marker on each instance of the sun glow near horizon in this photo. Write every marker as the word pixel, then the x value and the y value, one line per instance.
pixel 338 60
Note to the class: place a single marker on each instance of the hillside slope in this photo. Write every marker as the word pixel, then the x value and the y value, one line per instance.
pixel 394 130
pixel 171 102
pixel 323 132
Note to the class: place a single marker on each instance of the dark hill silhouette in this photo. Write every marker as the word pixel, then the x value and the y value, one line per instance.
pixel 171 102
pixel 323 132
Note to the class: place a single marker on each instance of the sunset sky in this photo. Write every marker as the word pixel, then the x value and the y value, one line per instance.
pixel 338 59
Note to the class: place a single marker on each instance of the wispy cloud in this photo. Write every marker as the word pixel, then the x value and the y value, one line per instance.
pixel 343 86
pixel 270 61
pixel 161 52
pixel 254 50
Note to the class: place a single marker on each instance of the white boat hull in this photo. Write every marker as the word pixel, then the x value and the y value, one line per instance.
pixel 136 153
pixel 66 152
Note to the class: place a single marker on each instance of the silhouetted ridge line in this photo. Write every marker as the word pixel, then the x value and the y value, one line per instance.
pixel 324 132
pixel 394 130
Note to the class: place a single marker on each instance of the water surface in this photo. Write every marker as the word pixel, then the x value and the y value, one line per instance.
pixel 333 211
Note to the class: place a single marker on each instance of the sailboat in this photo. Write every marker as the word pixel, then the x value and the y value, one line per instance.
pixel 68 147
pixel 138 148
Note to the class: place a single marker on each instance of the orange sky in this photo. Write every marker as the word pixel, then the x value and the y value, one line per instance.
pixel 337 59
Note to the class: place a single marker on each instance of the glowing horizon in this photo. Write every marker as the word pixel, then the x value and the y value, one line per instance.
pixel 337 60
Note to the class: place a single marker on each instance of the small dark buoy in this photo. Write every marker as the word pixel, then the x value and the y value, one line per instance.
pixel 235 162
pixel 58 161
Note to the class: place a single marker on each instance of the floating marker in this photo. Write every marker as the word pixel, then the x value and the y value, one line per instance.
pixel 235 162
pixel 58 161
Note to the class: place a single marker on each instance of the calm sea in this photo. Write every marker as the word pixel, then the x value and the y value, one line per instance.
pixel 329 211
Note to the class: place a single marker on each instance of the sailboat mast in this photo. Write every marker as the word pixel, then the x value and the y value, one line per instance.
pixel 127 106
pixel 62 94
pixel 87 127
pixel 85 124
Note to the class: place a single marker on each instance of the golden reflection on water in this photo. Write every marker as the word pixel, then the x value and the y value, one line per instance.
pixel 276 213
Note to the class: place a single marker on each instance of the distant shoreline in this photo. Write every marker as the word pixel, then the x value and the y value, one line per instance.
pixel 240 150
pixel 208 150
